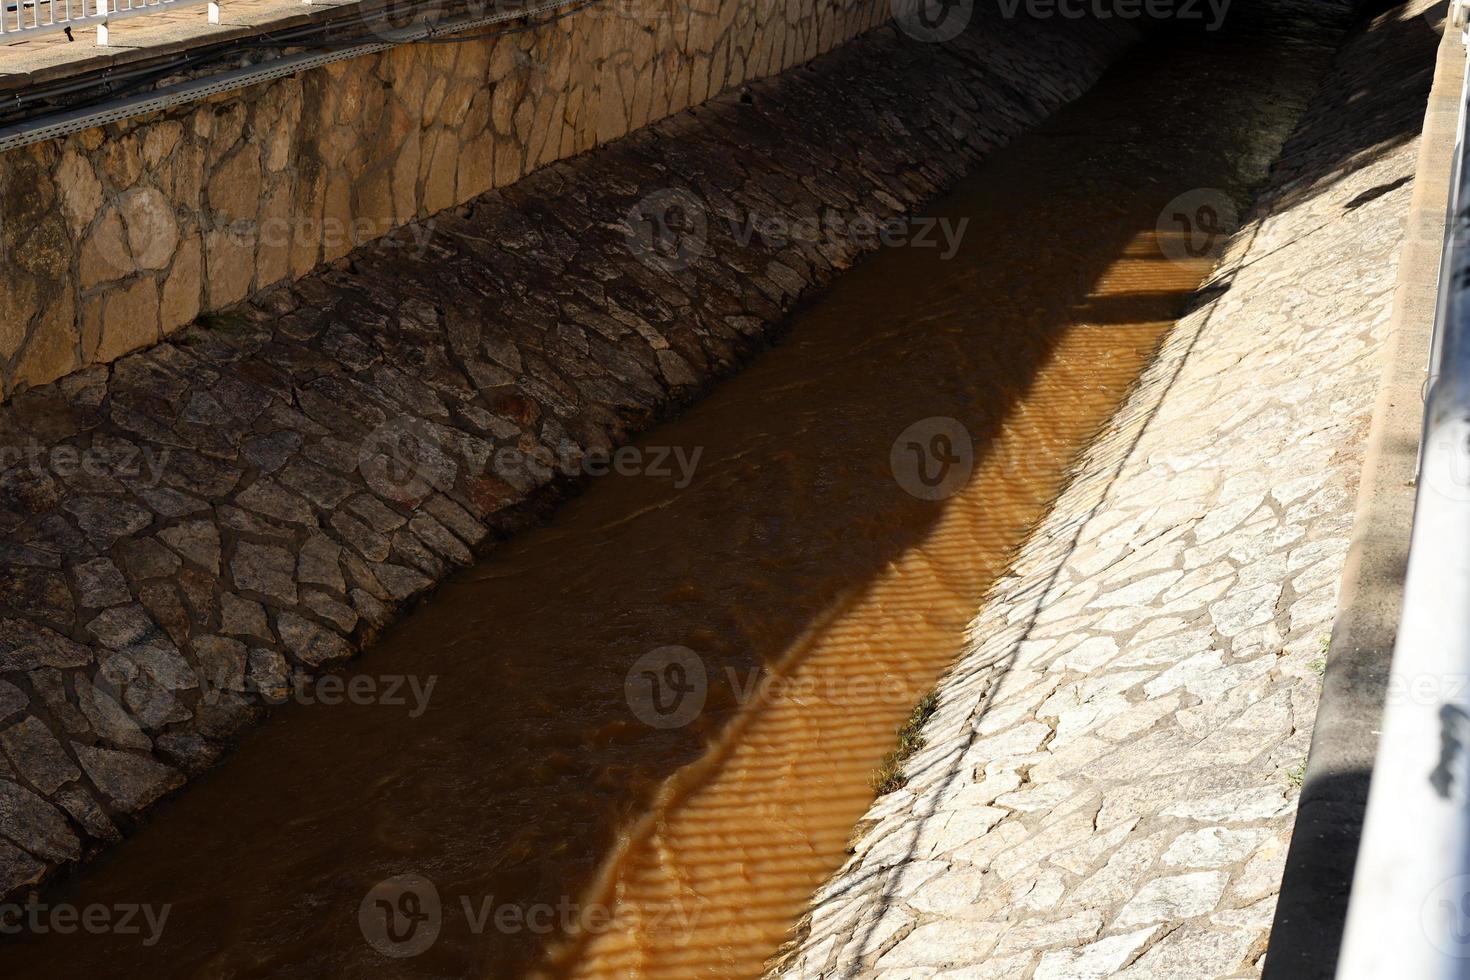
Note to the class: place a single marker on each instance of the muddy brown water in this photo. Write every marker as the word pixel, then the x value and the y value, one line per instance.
pixel 560 831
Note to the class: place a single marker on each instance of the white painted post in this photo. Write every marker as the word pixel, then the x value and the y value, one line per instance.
pixel 102 11
pixel 214 11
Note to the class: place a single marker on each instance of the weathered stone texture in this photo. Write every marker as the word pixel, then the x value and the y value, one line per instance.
pixel 126 233
pixel 262 495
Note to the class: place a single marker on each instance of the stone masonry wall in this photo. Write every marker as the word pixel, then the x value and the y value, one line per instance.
pixel 205 521
pixel 114 238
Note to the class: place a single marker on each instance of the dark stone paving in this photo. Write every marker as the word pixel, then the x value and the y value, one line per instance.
pixel 186 532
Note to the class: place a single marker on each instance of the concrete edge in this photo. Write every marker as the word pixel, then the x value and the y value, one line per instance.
pixel 1307 930
pixel 187 37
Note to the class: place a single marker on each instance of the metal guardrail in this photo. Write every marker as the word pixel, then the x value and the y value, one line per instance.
pixel 1409 913
pixel 23 19
pixel 92 115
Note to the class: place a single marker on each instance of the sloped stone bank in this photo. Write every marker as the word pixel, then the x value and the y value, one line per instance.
pixel 187 531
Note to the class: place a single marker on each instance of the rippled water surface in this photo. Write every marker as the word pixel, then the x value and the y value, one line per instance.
pixel 795 555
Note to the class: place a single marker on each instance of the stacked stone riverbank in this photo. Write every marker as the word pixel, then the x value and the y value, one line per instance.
pixel 116 236
pixel 1110 777
pixel 190 529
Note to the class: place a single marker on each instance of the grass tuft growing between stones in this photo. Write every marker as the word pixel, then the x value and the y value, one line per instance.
pixel 890 775
pixel 1319 666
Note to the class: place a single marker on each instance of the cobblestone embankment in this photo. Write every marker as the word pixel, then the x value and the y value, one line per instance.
pixel 1110 778
pixel 115 237
pixel 188 529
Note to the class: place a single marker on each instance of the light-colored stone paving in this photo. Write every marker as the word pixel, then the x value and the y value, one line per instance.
pixel 1110 778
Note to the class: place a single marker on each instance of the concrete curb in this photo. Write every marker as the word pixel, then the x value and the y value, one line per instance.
pixel 1310 912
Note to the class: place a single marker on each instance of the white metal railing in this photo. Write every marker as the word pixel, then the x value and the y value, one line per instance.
pixel 23 19
pixel 1409 913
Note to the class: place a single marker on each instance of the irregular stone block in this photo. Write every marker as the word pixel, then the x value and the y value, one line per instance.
pixel 131 781
pixel 38 756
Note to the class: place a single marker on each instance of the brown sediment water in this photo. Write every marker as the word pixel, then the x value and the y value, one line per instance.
pixel 565 823
pixel 711 879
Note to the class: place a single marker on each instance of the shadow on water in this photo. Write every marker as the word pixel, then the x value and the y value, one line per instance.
pixel 528 783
